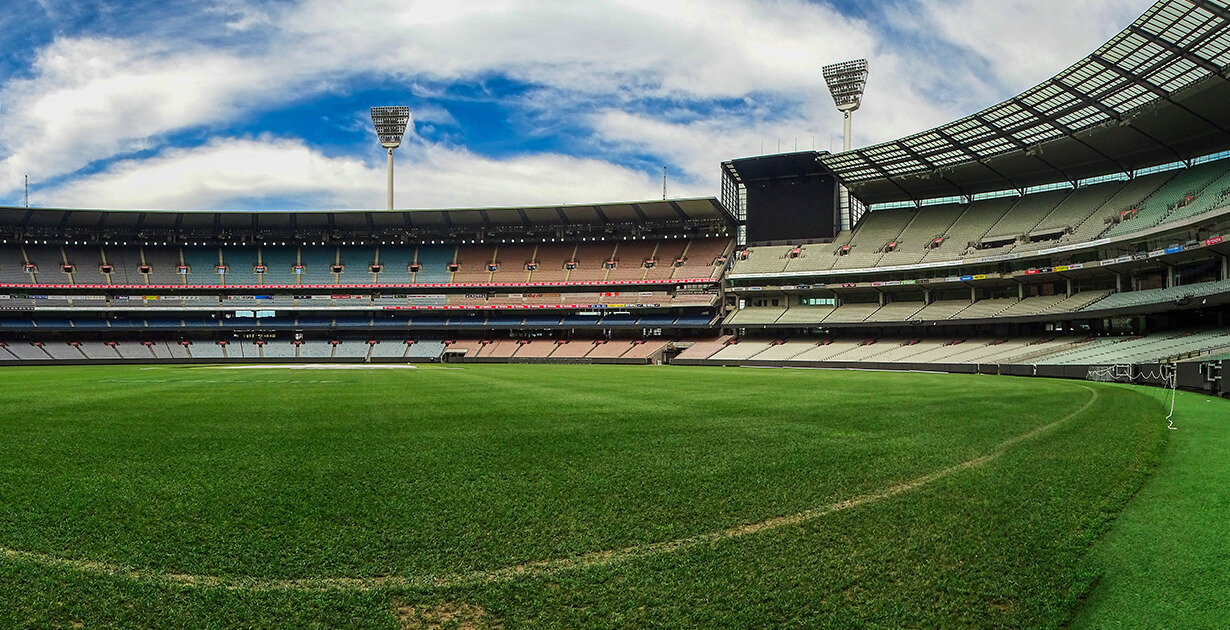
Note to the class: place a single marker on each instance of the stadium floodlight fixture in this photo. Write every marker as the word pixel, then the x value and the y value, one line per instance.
pixel 846 81
pixel 391 125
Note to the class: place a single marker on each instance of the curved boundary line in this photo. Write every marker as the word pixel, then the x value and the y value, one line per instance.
pixel 537 568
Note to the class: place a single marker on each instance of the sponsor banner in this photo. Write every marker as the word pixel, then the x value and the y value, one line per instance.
pixel 1061 268
pixel 368 287
pixel 1174 250
pixel 981 276
pixel 1030 272
pixel 1108 262
pixel 1076 266
pixel 1123 259
pixel 966 278
pixel 909 282
pixel 1157 252
pixel 1213 241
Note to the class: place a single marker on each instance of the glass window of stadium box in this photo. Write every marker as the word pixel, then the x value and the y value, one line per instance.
pixel 1199 271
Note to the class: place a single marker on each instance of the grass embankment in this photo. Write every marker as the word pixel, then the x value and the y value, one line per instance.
pixel 1167 558
pixel 192 497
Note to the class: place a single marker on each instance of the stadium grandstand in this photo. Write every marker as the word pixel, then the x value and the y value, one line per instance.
pixel 86 285
pixel 1082 222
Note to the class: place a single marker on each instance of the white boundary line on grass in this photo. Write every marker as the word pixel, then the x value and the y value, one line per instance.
pixel 538 568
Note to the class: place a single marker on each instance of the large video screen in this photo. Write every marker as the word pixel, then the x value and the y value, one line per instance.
pixel 793 209
pixel 790 198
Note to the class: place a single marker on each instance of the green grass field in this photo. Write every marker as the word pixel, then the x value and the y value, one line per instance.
pixel 568 496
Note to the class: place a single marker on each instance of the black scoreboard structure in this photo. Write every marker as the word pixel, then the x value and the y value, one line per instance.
pixel 788 198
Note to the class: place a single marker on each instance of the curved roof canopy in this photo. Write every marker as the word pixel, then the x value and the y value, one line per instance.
pixel 1157 92
pixel 705 212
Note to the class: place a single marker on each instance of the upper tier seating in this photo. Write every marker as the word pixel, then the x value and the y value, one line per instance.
pixel 1024 217
pixel 395 263
pixel 13 266
pixel 472 264
pixel 356 263
pixel 317 265
pixel 630 257
pixel 968 230
pixel 240 263
pixel 591 262
pixel 1214 197
pixel 928 224
pixel 1185 184
pixel 163 263
pixel 280 265
pixel 352 265
pixel 433 261
pixel 511 261
pixel 699 258
pixel 868 240
pixel 767 259
pixel 202 265
pixel 49 263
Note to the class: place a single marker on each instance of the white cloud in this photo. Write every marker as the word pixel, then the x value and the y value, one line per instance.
pixel 227 172
pixel 608 65
pixel 95 98
pixel 1028 41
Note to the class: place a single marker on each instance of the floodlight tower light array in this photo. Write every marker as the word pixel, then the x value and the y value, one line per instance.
pixel 846 81
pixel 390 125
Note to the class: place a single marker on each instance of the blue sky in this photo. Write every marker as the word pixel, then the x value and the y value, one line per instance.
pixel 233 104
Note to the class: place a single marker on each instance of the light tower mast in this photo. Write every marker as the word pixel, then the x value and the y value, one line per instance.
pixel 846 81
pixel 390 126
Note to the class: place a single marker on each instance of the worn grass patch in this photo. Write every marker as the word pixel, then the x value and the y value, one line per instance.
pixel 189 497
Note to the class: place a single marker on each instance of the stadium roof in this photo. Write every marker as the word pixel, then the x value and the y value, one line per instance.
pixel 1155 93
pixel 702 211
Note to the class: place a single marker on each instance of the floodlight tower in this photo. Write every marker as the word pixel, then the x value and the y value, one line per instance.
pixel 390 126
pixel 846 81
